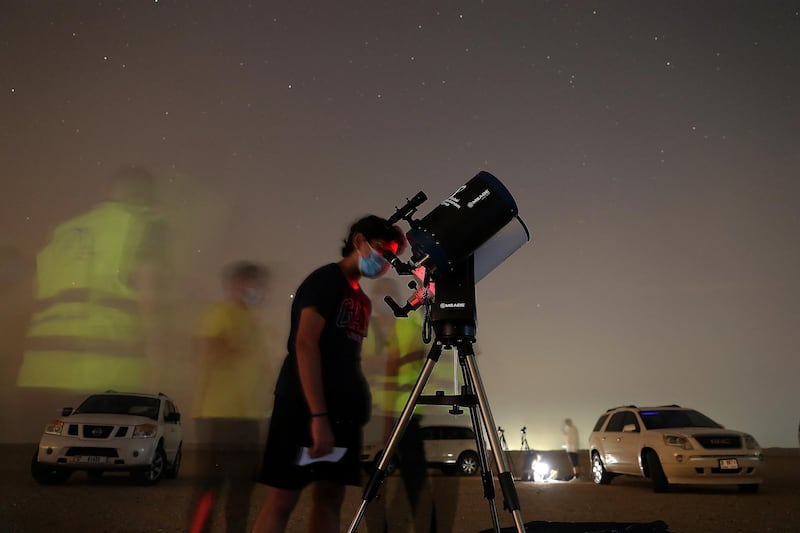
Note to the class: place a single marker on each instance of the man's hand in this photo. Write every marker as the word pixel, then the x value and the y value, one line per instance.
pixel 321 436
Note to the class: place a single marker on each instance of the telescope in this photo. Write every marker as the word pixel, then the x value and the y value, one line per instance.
pixel 453 247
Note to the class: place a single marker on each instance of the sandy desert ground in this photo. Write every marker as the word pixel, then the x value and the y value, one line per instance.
pixel 113 504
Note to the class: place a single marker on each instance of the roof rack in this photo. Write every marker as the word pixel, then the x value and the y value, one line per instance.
pixel 621 406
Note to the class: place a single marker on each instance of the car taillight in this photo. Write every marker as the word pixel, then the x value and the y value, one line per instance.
pixel 145 431
pixel 54 428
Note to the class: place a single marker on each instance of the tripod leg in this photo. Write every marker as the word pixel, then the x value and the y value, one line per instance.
pixel 486 468
pixel 377 478
pixel 504 474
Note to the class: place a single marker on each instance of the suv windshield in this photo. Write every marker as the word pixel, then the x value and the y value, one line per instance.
pixel 674 418
pixel 120 405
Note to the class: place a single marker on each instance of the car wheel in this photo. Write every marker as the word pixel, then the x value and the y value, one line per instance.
pixel 656 473
pixel 46 474
pixel 172 471
pixel 153 473
pixel 468 464
pixel 599 473
pixel 748 488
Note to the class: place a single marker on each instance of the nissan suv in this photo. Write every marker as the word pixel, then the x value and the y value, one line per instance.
pixel 672 445
pixel 449 448
pixel 112 431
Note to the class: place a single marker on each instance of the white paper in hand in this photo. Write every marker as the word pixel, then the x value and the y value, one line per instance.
pixel 333 457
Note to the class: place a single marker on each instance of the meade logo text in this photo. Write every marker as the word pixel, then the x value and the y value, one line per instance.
pixel 456 305
pixel 481 196
pixel 452 200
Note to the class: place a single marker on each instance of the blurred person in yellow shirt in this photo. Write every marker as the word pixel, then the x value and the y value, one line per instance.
pixel 230 402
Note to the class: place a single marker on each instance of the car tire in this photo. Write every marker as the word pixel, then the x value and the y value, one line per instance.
pixel 47 475
pixel 599 473
pixel 748 488
pixel 174 467
pixel 468 464
pixel 656 472
pixel 155 471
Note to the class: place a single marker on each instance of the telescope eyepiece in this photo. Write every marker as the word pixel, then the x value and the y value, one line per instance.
pixel 409 209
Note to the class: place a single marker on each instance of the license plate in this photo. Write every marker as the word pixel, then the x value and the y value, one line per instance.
pixel 90 459
pixel 728 464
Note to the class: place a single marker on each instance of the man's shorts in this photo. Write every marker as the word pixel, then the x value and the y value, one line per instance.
pixel 290 432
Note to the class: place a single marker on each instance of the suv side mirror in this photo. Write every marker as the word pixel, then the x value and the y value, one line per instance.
pixel 66 411
pixel 629 428
pixel 172 417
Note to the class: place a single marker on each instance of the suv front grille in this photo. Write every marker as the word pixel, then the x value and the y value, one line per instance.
pixel 96 432
pixel 719 442
pixel 84 450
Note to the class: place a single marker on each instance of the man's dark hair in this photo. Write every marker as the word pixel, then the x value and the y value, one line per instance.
pixel 245 271
pixel 373 227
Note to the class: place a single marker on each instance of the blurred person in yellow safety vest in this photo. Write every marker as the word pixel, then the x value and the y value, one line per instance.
pixel 397 344
pixel 231 398
pixel 97 282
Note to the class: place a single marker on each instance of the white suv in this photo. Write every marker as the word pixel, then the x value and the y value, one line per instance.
pixel 672 445
pixel 112 431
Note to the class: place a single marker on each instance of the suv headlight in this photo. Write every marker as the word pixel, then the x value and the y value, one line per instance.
pixel 54 428
pixel 679 441
pixel 145 431
pixel 750 442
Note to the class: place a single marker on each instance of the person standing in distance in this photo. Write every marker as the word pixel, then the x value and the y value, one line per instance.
pixel 571 432
pixel 322 398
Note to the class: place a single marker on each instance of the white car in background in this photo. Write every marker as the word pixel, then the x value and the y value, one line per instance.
pixel 452 449
pixel 672 445
pixel 112 431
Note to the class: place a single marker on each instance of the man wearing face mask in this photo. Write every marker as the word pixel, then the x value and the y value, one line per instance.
pixel 232 375
pixel 322 399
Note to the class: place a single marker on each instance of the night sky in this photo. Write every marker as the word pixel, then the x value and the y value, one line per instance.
pixel 652 149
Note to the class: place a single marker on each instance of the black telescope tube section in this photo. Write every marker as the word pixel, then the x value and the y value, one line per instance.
pixel 461 223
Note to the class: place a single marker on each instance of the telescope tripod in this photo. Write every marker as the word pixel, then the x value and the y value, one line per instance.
pixel 474 397
pixel 524 440
pixel 502 434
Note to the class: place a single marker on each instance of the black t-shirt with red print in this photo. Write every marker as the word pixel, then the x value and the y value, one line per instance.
pixel 346 311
